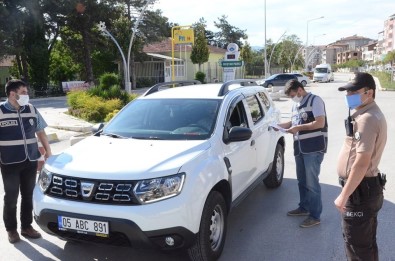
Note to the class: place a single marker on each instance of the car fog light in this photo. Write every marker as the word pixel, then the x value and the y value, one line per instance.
pixel 169 241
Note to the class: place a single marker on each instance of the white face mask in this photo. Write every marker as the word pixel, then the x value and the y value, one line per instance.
pixel 23 100
pixel 297 99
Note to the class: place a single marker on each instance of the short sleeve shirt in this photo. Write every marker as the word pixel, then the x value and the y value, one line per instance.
pixel 370 136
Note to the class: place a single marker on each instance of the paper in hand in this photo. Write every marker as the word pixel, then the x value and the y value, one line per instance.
pixel 275 125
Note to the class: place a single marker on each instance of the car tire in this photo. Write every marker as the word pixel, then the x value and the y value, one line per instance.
pixel 210 239
pixel 304 83
pixel 269 85
pixel 275 177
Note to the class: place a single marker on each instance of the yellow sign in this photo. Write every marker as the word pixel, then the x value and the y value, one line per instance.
pixel 183 36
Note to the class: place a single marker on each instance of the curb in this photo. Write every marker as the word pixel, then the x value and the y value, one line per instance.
pixel 72 128
pixel 52 137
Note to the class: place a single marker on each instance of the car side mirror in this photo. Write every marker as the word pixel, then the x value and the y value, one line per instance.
pixel 97 127
pixel 238 133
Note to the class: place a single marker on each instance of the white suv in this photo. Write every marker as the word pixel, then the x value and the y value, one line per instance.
pixel 166 170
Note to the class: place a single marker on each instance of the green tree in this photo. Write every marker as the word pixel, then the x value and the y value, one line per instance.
pixel 390 58
pixel 200 52
pixel 228 33
pixel 246 55
pixel 62 67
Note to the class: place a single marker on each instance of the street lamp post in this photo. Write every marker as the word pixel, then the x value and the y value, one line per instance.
pixel 270 58
pixel 265 53
pixel 128 86
pixel 307 39
pixel 126 62
pixel 101 26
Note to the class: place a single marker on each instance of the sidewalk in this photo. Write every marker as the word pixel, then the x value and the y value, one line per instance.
pixel 62 126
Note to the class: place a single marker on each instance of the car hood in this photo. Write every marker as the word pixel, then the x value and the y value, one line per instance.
pixel 99 157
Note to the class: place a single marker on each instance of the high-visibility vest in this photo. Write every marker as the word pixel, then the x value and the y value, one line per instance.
pixel 18 141
pixel 313 140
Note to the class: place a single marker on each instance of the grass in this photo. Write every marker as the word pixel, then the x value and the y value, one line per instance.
pixel 385 80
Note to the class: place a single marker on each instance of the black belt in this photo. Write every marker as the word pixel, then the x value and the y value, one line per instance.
pixel 370 181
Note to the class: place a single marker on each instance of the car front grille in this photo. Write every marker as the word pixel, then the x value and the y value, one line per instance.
pixel 96 191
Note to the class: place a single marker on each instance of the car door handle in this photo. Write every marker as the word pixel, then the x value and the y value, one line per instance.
pixel 252 143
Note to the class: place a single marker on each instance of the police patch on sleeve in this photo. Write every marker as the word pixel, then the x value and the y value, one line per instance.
pixel 357 136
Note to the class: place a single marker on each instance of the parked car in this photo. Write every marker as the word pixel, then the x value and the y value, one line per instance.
pixel 303 79
pixel 277 81
pixel 166 170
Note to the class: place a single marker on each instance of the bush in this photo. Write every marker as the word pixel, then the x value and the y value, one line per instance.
pixel 107 80
pixel 145 82
pixel 200 76
pixel 111 115
pixel 91 108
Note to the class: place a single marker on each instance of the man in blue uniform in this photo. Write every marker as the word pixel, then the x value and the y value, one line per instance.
pixel 20 123
pixel 309 127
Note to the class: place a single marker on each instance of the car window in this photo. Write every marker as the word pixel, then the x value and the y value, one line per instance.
pixel 168 119
pixel 236 117
pixel 264 99
pixel 255 108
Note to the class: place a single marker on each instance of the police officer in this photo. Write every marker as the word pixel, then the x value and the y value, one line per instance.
pixel 309 127
pixel 20 122
pixel 361 197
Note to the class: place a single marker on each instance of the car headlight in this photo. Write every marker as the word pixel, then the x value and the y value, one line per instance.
pixel 44 180
pixel 152 190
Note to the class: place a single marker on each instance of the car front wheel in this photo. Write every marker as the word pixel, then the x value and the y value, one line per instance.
pixel 275 177
pixel 304 83
pixel 212 232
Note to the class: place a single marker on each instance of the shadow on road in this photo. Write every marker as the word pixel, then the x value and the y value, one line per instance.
pixel 258 229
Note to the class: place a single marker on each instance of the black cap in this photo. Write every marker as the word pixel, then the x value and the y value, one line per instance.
pixel 360 81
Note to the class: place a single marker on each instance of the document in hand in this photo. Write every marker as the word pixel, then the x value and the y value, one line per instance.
pixel 275 125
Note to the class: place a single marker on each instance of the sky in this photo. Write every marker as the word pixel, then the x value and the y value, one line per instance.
pixel 341 18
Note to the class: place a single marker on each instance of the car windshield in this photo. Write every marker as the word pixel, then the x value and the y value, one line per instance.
pixel 165 119
pixel 321 70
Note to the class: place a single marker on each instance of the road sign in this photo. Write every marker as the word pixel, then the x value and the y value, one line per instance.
pixel 231 63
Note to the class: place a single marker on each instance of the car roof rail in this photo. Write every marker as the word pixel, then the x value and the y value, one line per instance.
pixel 157 86
pixel 243 83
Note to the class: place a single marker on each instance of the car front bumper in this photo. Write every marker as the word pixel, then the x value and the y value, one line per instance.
pixel 122 232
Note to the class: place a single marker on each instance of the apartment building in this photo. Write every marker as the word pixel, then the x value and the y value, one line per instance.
pixel 389 35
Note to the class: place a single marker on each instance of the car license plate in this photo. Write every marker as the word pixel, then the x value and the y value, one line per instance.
pixel 83 226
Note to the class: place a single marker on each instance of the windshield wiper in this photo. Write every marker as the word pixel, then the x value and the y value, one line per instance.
pixel 113 135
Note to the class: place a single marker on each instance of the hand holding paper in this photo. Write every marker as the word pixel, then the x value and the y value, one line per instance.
pixel 275 126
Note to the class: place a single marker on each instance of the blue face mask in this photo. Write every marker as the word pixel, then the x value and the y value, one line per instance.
pixel 353 101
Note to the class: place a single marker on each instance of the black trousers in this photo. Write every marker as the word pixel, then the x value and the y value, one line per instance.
pixel 360 221
pixel 18 177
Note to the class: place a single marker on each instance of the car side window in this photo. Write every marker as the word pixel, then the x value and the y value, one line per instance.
pixel 264 99
pixel 255 108
pixel 236 117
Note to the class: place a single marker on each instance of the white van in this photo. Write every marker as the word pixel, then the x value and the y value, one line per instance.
pixel 323 73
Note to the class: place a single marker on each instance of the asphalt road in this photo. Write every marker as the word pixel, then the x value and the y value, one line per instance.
pixel 258 228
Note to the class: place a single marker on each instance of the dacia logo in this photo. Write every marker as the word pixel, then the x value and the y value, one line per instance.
pixel 87 189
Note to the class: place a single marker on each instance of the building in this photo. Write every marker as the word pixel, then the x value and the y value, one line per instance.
pixel 349 48
pixel 388 35
pixel 184 69
pixel 6 63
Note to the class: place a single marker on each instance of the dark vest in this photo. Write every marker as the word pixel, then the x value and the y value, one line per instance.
pixel 18 140
pixel 313 140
